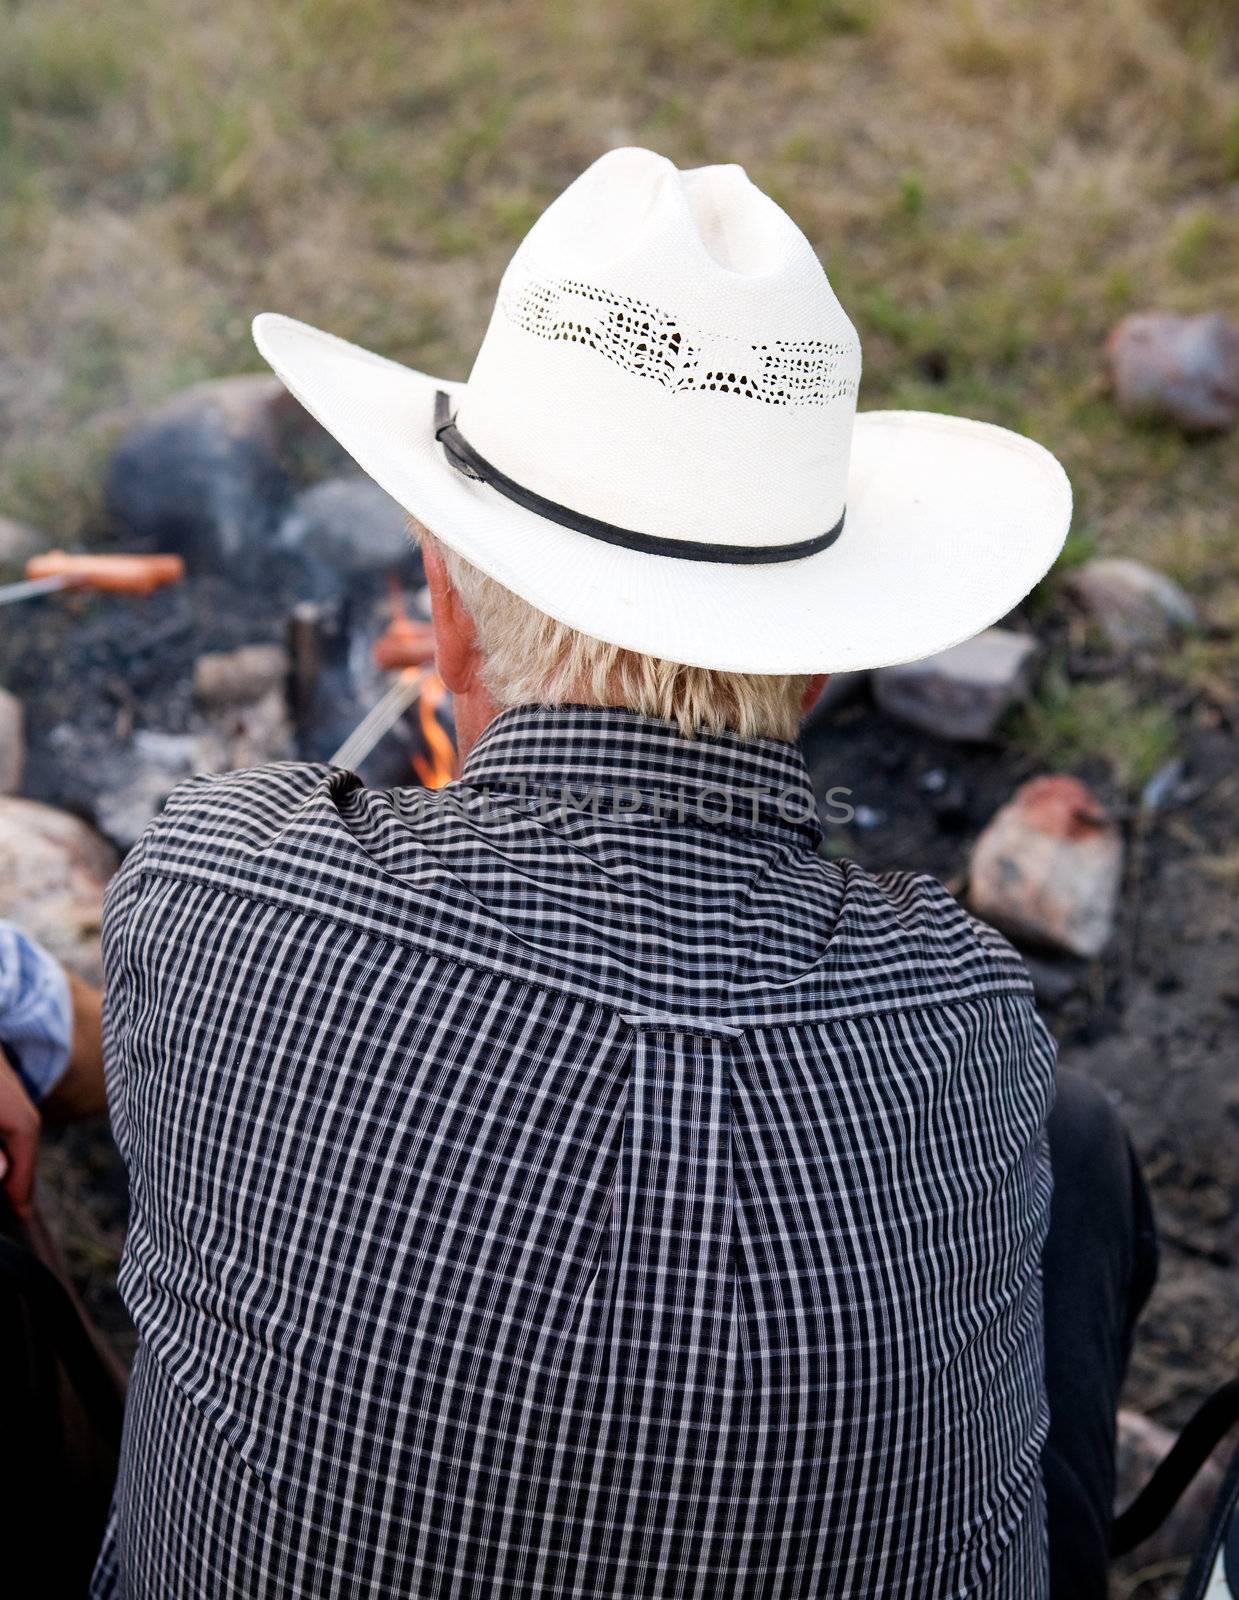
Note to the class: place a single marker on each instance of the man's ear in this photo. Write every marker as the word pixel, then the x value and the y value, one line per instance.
pixel 456 652
pixel 816 684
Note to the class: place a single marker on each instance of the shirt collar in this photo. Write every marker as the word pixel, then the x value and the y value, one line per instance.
pixel 621 762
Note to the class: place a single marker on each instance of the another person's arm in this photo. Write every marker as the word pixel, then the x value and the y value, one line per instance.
pixel 79 1090
pixel 50 1054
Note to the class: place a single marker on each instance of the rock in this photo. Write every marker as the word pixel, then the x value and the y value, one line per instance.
pixel 157 763
pixel 1048 866
pixel 1142 1445
pixel 208 474
pixel 18 543
pixel 53 871
pixel 1053 981
pixel 233 734
pixel 963 692
pixel 353 527
pixel 255 732
pixel 1174 368
pixel 1134 606
pixel 12 743
pixel 1163 787
pixel 232 677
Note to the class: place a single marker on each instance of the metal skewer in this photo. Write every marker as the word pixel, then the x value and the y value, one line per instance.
pixel 29 587
pixel 381 717
pixel 405 645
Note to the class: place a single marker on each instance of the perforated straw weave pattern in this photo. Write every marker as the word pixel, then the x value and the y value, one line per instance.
pixel 655 343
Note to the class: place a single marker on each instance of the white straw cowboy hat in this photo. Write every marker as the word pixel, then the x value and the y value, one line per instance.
pixel 659 444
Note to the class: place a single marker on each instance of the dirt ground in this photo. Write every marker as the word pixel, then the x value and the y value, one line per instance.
pixel 1156 1021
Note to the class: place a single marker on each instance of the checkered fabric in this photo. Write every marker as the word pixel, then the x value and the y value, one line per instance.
pixel 569 1184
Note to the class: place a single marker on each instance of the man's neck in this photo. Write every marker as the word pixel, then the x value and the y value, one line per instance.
pixel 473 713
pixel 475 710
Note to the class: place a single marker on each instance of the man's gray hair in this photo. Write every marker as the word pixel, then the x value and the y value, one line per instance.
pixel 531 659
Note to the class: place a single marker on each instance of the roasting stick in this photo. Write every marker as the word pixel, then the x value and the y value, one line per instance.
pixel 404 644
pixel 12 592
pixel 381 717
pixel 107 574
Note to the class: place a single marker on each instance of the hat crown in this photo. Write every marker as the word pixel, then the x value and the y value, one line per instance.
pixel 666 354
pixel 630 197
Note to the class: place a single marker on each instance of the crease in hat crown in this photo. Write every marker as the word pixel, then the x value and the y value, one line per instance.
pixel 677 324
pixel 694 203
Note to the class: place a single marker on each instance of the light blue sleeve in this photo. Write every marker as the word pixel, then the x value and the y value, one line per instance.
pixel 36 1012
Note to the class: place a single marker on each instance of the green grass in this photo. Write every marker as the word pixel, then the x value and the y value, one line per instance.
pixel 782 25
pixel 1112 723
pixel 51 63
pixel 1197 238
pixel 1080 546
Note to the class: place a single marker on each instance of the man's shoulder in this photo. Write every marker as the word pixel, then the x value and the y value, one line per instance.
pixel 914 919
pixel 248 798
pixel 241 810
pixel 306 834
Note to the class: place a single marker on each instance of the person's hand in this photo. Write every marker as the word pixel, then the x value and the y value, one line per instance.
pixel 19 1139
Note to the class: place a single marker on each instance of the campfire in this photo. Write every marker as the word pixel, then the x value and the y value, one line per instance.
pixel 407 646
pixel 137 671
pixel 435 762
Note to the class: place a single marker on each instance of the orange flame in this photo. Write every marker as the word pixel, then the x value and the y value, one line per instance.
pixel 437 765
pixel 409 645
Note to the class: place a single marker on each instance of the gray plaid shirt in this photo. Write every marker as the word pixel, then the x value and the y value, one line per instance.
pixel 569 1184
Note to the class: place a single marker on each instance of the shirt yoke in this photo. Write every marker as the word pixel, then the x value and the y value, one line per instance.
pixel 722 927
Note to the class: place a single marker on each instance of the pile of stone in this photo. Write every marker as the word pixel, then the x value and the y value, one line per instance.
pixel 12 743
pixel 230 471
pixel 1134 607
pixel 282 536
pixel 1048 867
pixel 243 702
pixel 963 693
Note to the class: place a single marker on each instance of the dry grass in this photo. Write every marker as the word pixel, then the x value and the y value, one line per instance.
pixel 990 183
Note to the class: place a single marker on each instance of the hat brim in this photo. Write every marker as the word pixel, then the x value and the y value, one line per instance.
pixel 950 523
